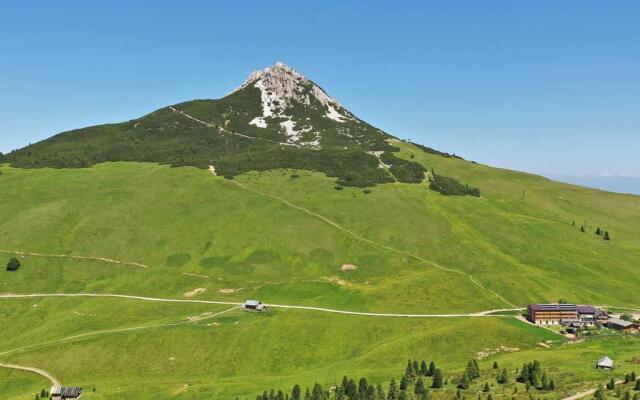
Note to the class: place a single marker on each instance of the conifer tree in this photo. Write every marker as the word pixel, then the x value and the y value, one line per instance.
pixel 423 368
pixel 552 385
pixel 404 382
pixel 363 385
pixel 379 392
pixel 545 381
pixel 611 385
pixel 598 231
pixel 486 387
pixel 432 368
pixel 606 236
pixel 495 365
pixel 465 381
pixel 633 376
pixel 416 368
pixel 476 368
pixel 437 379
pixel 409 370
pixel 503 377
pixel 419 388
pixel 393 393
pixel 600 393
pixel 296 392
pixel 307 395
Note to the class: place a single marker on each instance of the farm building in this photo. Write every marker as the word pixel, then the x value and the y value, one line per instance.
pixel 552 314
pixel 566 314
pixel 64 392
pixel 605 363
pixel 622 325
pixel 254 305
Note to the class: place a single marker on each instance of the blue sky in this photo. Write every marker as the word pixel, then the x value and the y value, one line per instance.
pixel 548 87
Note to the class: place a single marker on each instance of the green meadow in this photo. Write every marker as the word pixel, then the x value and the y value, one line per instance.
pixel 402 248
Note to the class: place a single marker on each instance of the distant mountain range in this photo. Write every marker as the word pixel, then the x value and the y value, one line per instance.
pixel 619 184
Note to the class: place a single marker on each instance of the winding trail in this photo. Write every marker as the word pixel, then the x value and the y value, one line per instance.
pixel 210 125
pixel 110 331
pixel 486 313
pixel 103 259
pixel 586 393
pixel 38 371
pixel 374 243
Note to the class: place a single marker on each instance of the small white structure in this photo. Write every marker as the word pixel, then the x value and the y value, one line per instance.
pixel 605 363
pixel 254 305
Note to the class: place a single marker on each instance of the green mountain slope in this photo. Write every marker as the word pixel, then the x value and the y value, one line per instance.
pixel 280 232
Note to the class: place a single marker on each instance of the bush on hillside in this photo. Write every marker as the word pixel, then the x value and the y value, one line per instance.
pixel 13 264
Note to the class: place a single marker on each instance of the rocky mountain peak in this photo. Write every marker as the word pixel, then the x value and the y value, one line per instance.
pixel 280 86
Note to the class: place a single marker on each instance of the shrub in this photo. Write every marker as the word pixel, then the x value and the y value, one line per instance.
pixel 338 187
pixel 13 264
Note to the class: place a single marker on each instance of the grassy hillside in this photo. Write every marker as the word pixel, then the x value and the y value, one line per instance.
pixel 283 236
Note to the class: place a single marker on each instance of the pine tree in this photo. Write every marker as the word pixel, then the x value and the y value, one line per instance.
pixel 465 381
pixel 379 392
pixel 423 368
pixel 280 395
pixel 432 368
pixel 370 393
pixel 419 388
pixel 582 229
pixel 503 377
pixel 545 381
pixel 633 376
pixel 600 393
pixel 598 231
pixel 611 385
pixel 495 365
pixel 409 370
pixel 404 382
pixel 552 385
pixel 416 368
pixel 296 392
pixel 437 379
pixel 393 393
pixel 476 368
pixel 486 388
pixel 363 385
pixel 307 395
pixel 317 393
pixel 606 236
pixel 627 378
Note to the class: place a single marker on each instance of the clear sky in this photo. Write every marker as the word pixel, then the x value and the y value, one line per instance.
pixel 548 87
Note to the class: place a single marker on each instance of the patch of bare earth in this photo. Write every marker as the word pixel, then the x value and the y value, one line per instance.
pixel 348 267
pixel 194 292
pixel 228 291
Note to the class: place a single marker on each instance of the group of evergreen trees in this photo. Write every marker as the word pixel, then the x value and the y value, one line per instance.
pixel 532 375
pixel 412 386
pixel 600 232
pixel 620 392
pixel 451 187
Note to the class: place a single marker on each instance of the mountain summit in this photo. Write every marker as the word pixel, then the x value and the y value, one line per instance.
pixel 277 118
pixel 281 87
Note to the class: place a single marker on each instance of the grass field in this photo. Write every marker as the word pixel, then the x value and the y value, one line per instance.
pixel 284 240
